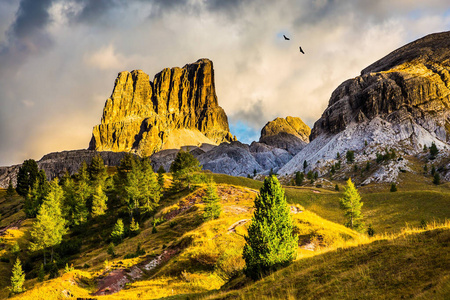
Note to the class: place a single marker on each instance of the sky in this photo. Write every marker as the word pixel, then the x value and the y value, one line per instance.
pixel 59 58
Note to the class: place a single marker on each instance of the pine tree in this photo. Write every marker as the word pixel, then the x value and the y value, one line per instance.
pixel 299 178
pixel 97 171
pixel 36 194
pixel 26 176
pixel 182 168
pixel 99 200
pixel 50 225
pixel 270 243
pixel 433 151
pixel 161 172
pixel 10 191
pixel 213 208
pixel 393 187
pixel 134 227
pixel 150 189
pixel 118 232
pixel 436 178
pixel 305 165
pixel 350 156
pixel 41 273
pixel 336 188
pixel 351 204
pixel 17 278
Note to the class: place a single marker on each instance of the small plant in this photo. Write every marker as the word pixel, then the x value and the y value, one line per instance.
pixel 393 187
pixel 333 170
pixel 423 224
pixel 118 232
pixel 17 278
pixel 365 143
pixel 111 250
pixel 370 230
pixel 134 227
pixel 68 269
pixel 433 151
pixel 425 148
pixel 350 156
pixel 154 230
pixel 425 168
pixel 436 178
pixel 338 155
pixel 41 273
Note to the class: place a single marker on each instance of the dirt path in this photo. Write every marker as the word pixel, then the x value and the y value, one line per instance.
pixel 118 278
pixel 232 228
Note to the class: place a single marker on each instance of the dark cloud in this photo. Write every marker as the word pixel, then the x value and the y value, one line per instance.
pixel 97 11
pixel 254 114
pixel 31 17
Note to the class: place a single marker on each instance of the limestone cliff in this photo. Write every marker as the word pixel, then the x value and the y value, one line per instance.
pixel 178 108
pixel 288 133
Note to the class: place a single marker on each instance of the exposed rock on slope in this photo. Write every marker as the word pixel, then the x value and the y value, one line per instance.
pixel 178 108
pixel 401 101
pixel 57 163
pixel 289 133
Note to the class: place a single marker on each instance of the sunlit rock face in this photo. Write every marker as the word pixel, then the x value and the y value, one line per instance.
pixel 401 102
pixel 178 108
pixel 289 133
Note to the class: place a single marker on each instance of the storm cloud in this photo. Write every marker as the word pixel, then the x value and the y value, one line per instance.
pixel 59 58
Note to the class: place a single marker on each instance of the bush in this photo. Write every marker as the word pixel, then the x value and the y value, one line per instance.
pixel 393 187
pixel 370 230
pixel 111 251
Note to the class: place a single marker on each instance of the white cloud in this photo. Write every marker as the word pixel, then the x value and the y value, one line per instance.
pixel 105 58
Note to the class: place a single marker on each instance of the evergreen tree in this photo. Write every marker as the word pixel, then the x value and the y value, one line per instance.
pixel 433 151
pixel 370 230
pixel 10 191
pixel 351 204
pixel 134 227
pixel 436 178
pixel 433 170
pixel 75 197
pixel 41 273
pixel 26 176
pixel 270 243
pixel 336 188
pixel 182 168
pixel 118 232
pixel 121 178
pixel 17 278
pixel 213 208
pixel 393 187
pixel 97 171
pixel 299 178
pixel 99 200
pixel 305 165
pixel 50 224
pixel 150 189
pixel 350 156
pixel 84 192
pixel 36 194
pixel 161 172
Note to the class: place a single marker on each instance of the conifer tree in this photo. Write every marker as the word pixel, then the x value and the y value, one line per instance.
pixel 299 178
pixel 150 190
pixel 436 178
pixel 393 187
pixel 97 171
pixel 213 208
pixel 351 204
pixel 10 191
pixel 270 243
pixel 41 273
pixel 134 227
pixel 26 176
pixel 17 278
pixel 433 151
pixel 50 225
pixel 36 194
pixel 99 202
pixel 182 168
pixel 118 232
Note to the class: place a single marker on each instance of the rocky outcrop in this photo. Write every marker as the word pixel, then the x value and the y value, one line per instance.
pixel 57 163
pixel 401 102
pixel 289 133
pixel 178 108
pixel 411 83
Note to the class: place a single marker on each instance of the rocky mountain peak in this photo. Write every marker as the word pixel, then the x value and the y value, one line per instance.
pixel 178 108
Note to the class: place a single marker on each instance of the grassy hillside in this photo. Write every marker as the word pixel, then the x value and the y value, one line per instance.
pixel 413 264
pixel 187 257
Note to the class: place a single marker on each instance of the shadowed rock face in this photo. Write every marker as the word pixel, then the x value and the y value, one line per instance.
pixel 178 108
pixel 411 83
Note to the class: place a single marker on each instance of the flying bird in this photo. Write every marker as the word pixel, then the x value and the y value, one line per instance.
pixel 286 38
pixel 301 50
